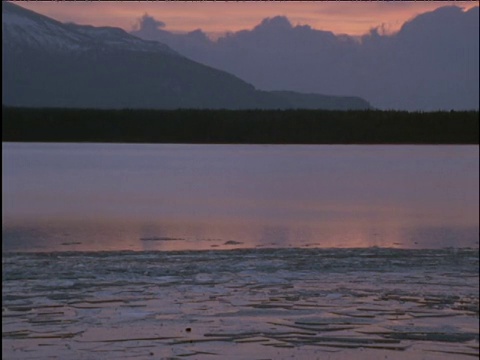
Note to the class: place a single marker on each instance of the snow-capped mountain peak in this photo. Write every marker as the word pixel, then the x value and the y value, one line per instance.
pixel 22 27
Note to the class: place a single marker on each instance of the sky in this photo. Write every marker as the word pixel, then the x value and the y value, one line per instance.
pixel 218 17
pixel 433 62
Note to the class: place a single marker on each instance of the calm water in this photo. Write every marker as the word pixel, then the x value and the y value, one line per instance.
pixel 79 197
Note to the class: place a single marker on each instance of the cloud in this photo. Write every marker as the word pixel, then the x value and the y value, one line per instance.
pixel 340 17
pixel 277 23
pixel 431 63
pixel 148 24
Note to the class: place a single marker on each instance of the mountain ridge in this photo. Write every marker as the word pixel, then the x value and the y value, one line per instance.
pixel 50 64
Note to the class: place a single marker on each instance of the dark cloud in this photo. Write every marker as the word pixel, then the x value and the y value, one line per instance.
pixel 431 63
pixel 148 24
pixel 149 28
pixel 277 23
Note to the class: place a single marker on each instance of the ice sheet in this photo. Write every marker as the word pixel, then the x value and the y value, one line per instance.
pixel 244 303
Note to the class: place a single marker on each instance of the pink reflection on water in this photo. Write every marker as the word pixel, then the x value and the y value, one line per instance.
pixel 123 235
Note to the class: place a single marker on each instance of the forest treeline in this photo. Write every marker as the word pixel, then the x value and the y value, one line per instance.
pixel 239 126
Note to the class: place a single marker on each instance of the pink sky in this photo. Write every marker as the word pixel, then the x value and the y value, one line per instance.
pixel 341 17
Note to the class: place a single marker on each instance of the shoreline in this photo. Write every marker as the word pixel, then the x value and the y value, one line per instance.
pixel 282 127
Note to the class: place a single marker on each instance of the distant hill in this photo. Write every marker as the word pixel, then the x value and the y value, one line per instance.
pixel 46 63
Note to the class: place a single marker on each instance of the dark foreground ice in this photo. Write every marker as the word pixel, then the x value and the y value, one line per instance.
pixel 370 303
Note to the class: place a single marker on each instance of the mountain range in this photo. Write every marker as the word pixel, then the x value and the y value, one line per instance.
pixel 431 63
pixel 46 63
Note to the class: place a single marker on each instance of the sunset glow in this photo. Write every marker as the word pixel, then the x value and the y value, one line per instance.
pixel 216 18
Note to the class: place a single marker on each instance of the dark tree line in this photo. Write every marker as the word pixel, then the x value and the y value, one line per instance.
pixel 239 126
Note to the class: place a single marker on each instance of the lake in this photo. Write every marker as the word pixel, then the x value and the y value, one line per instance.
pixel 307 252
pixel 95 197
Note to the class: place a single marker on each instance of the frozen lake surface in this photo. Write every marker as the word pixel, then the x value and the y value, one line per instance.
pixel 242 304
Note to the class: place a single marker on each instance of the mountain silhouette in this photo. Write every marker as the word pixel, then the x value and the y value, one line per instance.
pixel 50 64
pixel 431 63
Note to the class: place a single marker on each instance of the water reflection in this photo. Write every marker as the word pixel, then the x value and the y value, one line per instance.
pixel 108 236
pixel 181 197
